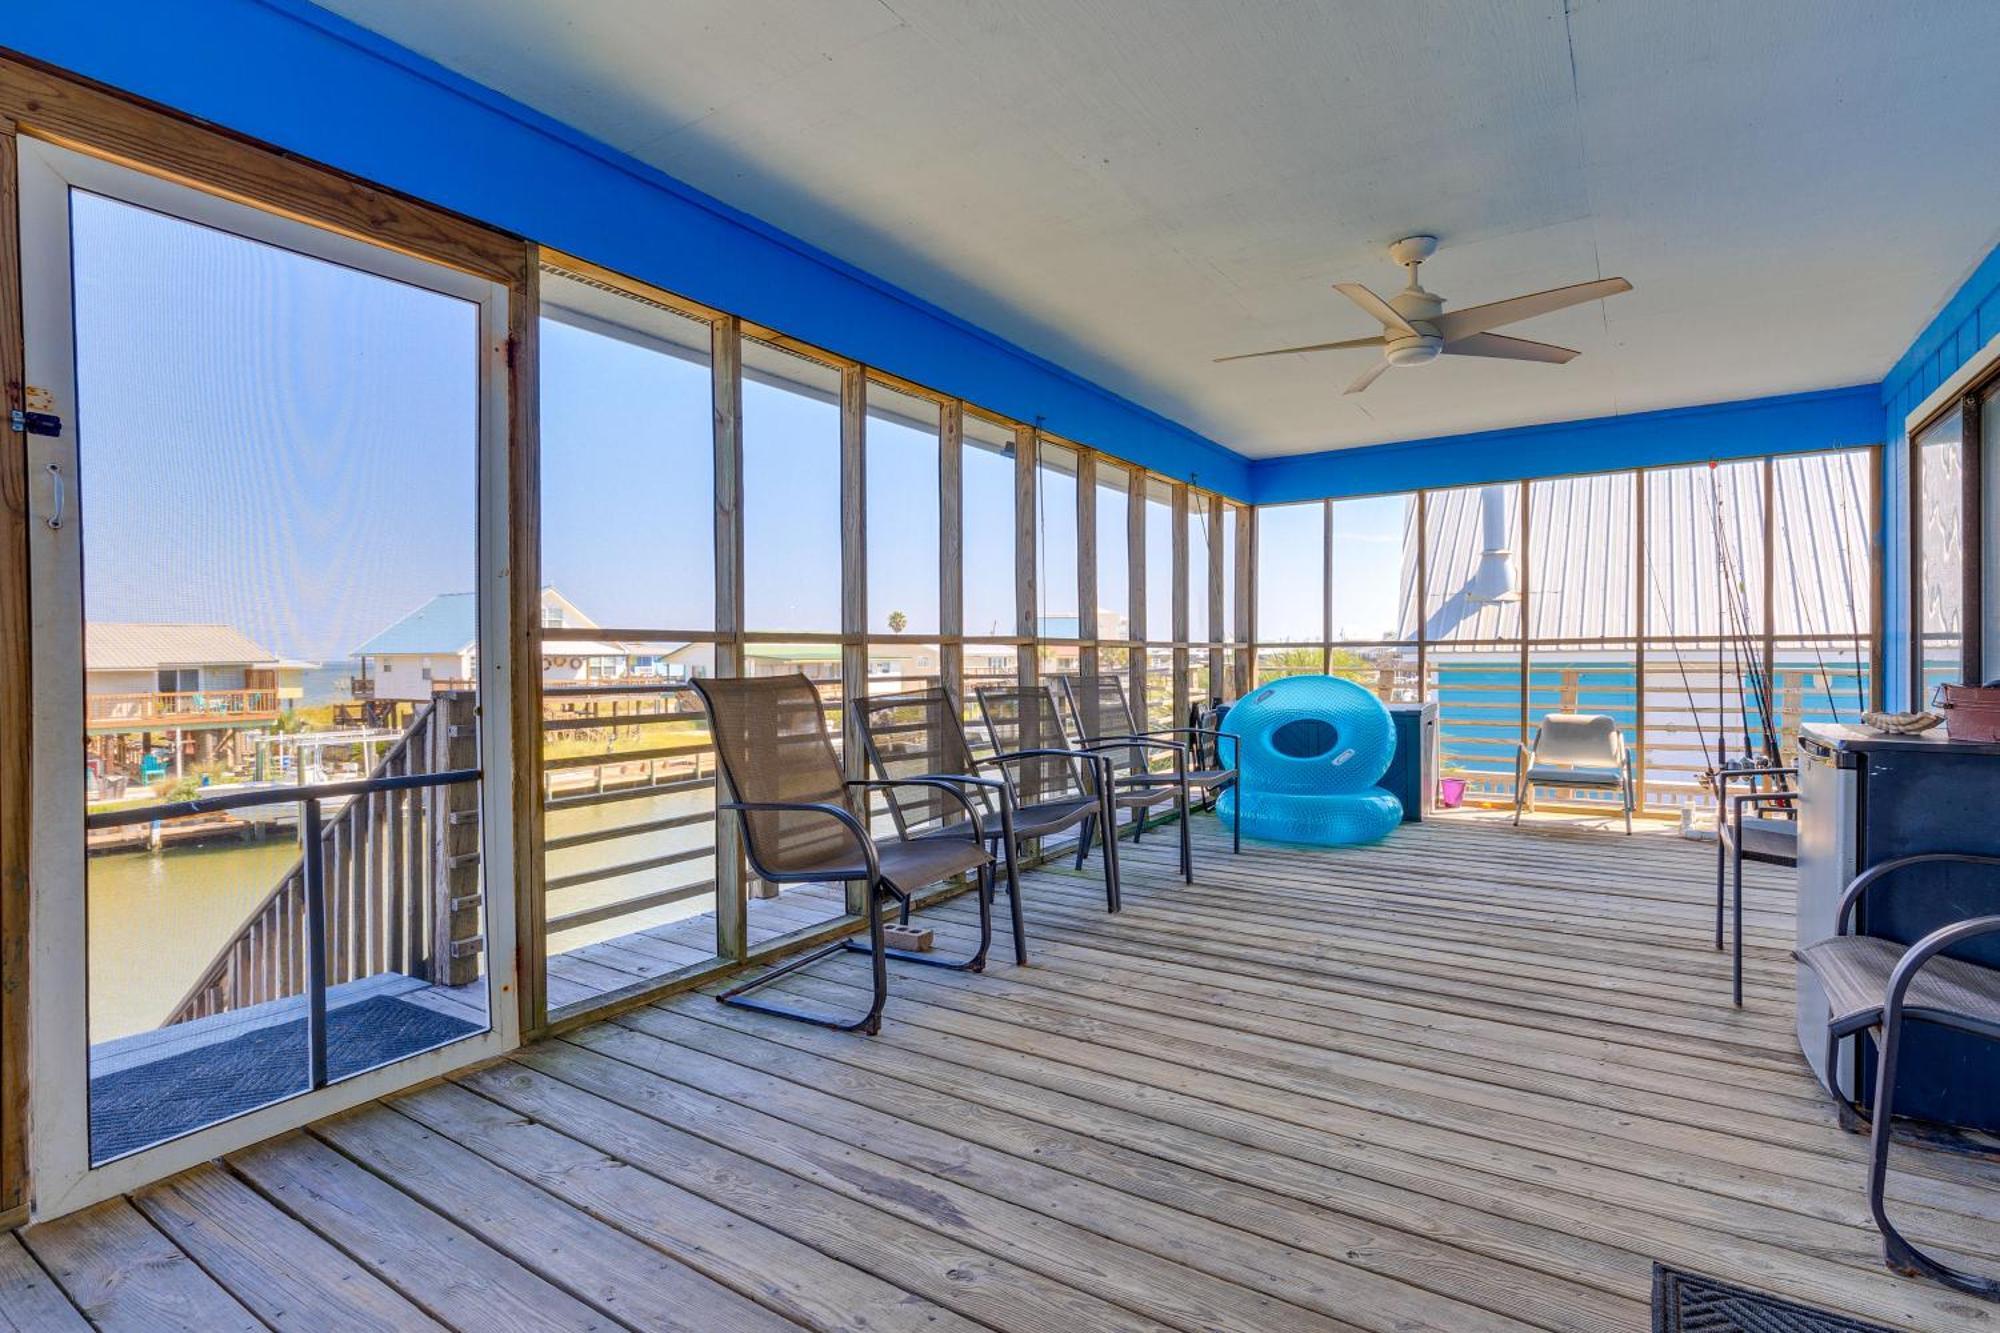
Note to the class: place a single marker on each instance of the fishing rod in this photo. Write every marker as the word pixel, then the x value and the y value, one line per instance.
pixel 1726 607
pixel 1755 682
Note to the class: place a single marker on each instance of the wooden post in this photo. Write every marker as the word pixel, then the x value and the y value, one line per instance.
pixel 1216 630
pixel 1246 599
pixel 1878 665
pixel 1326 586
pixel 1971 544
pixel 1639 568
pixel 524 642
pixel 732 939
pixel 1183 632
pixel 1423 605
pixel 456 866
pixel 1770 589
pixel 1027 608
pixel 854 588
pixel 16 739
pixel 1526 608
pixel 1877 583
pixel 1792 701
pixel 1086 562
pixel 951 550
pixel 1135 578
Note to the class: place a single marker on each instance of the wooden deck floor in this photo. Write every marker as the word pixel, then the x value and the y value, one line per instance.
pixel 1472 1079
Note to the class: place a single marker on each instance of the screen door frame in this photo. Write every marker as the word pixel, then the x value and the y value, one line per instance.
pixel 59 1148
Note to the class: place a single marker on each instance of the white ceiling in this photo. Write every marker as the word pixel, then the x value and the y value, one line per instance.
pixel 1134 187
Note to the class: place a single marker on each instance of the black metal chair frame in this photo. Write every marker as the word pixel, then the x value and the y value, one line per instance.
pixel 1099 784
pixel 1142 776
pixel 1004 797
pixel 1729 853
pixel 878 888
pixel 1897 1251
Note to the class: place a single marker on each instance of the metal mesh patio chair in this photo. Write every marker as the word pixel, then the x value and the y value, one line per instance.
pixel 1102 716
pixel 1880 984
pixel 1578 751
pixel 921 734
pixel 1741 837
pixel 1044 768
pixel 801 824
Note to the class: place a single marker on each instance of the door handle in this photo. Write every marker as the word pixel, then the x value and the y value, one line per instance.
pixel 57 498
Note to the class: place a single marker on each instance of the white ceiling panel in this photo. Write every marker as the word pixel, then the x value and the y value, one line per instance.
pixel 1135 187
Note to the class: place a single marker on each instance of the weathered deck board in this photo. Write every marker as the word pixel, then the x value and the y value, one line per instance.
pixel 1470 1079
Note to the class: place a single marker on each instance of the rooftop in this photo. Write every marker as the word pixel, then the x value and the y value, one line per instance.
pixel 140 646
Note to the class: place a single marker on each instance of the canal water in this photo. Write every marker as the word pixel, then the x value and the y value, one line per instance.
pixel 157 919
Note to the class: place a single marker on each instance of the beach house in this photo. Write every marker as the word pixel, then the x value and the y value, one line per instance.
pixel 436 647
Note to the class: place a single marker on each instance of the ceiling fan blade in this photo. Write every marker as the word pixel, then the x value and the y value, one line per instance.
pixel 1310 347
pixel 1383 312
pixel 1367 377
pixel 1512 349
pixel 1455 324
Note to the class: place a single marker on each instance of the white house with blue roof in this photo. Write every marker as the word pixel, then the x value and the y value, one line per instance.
pixel 436 647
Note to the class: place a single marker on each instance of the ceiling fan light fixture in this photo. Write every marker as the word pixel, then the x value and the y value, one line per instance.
pixel 1413 351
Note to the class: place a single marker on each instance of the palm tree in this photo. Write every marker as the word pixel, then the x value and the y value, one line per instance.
pixel 898 622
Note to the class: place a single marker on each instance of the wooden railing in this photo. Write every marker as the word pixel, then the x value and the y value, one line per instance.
pixel 184 707
pixel 401 882
pixel 612 744
pixel 1687 705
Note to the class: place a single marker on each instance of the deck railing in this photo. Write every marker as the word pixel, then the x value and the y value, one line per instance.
pixel 401 881
pixel 1690 706
pixel 183 707
pixel 608 746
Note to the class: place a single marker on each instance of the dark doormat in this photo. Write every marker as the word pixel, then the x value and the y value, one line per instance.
pixel 1690 1303
pixel 150 1103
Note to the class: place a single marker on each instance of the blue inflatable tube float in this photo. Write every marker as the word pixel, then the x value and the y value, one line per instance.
pixel 1309 752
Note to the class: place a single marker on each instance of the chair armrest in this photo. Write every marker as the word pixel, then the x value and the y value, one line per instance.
pixel 1863 881
pixel 841 813
pixel 1099 764
pixel 1147 738
pixel 1178 750
pixel 1218 737
pixel 934 783
pixel 1925 949
pixel 1175 731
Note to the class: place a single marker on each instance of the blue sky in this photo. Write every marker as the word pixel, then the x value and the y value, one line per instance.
pixel 267 440
pixel 1367 563
pixel 288 446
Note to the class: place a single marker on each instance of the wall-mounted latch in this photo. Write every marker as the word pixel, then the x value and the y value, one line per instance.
pixel 34 423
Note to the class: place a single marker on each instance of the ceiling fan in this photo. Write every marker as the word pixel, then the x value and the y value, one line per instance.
pixel 1416 327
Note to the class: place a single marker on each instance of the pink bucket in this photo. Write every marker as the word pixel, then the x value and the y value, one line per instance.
pixel 1451 792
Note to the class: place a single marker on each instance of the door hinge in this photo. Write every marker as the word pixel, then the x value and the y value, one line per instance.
pixel 34 423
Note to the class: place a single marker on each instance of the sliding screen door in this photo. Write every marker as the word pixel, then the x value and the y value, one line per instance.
pixel 265 536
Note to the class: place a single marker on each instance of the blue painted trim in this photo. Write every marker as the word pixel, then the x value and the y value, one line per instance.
pixel 293 75
pixel 1968 320
pixel 1790 423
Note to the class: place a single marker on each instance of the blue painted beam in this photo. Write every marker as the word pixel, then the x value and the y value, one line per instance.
pixel 293 75
pixel 1968 320
pixel 1792 423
